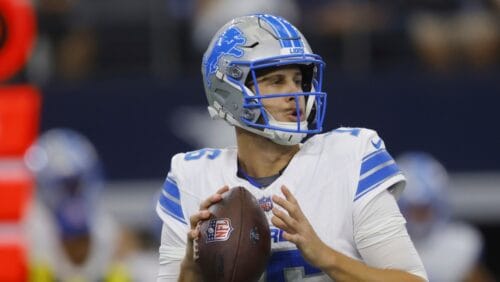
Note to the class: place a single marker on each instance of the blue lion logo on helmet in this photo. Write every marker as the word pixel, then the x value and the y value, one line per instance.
pixel 227 44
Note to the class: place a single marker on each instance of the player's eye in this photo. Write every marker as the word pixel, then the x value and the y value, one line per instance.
pixel 276 80
pixel 298 81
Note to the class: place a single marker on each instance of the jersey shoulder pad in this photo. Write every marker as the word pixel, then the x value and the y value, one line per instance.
pixel 184 182
pixel 378 170
pixel 348 140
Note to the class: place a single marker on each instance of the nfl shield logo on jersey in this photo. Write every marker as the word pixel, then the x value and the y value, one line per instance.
pixel 266 203
pixel 219 229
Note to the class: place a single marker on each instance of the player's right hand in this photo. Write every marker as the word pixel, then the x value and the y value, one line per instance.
pixel 189 269
pixel 297 228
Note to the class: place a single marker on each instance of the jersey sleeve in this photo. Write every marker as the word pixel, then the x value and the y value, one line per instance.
pixel 178 200
pixel 377 171
pixel 175 205
pixel 381 237
pixel 169 206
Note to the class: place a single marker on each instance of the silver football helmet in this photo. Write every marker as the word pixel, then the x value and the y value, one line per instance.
pixel 424 202
pixel 251 43
pixel 68 173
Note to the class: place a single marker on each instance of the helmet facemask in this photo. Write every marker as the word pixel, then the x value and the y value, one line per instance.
pixel 284 132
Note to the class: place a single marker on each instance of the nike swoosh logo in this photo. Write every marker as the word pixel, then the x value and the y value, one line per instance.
pixel 377 144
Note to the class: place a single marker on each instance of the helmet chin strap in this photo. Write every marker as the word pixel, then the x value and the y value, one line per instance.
pixel 287 138
pixel 284 137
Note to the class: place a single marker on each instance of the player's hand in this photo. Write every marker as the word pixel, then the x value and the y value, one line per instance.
pixel 189 269
pixel 297 228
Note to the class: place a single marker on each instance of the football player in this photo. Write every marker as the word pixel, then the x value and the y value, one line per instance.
pixel 330 200
pixel 450 249
pixel 71 237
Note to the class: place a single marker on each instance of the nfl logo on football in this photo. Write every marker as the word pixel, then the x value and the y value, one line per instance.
pixel 219 229
pixel 266 204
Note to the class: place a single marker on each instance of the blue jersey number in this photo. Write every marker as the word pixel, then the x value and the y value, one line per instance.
pixel 283 261
pixel 196 155
pixel 352 131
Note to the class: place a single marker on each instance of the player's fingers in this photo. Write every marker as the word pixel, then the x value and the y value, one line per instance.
pixel 197 217
pixel 294 238
pixel 292 209
pixel 192 244
pixel 295 211
pixel 282 202
pixel 196 254
pixel 288 195
pixel 291 237
pixel 214 198
pixel 287 220
pixel 279 213
pixel 276 221
pixel 193 234
pixel 225 188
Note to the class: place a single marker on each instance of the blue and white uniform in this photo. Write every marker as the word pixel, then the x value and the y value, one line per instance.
pixel 334 176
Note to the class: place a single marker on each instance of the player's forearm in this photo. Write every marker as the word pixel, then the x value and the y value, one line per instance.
pixel 343 268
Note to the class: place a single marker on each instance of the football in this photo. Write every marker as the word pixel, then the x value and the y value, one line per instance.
pixel 234 244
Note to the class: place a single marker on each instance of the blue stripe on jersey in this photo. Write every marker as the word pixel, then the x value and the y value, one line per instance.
pixel 171 207
pixel 374 159
pixel 171 188
pixel 376 178
pixel 353 131
pixel 170 200
pixel 279 28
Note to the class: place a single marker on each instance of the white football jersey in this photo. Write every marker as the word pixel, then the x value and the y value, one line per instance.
pixel 333 176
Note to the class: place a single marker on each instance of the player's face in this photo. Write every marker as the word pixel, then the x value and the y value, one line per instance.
pixel 287 79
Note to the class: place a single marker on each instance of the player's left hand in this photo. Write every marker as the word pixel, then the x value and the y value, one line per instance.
pixel 297 228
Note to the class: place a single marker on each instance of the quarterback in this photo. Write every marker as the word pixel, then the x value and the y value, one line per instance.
pixel 330 200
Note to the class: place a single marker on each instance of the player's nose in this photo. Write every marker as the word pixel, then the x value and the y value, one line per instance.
pixel 292 86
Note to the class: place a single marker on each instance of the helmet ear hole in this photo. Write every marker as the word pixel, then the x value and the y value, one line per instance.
pixel 249 115
pixel 235 72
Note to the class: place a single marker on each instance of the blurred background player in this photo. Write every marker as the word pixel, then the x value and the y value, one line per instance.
pixel 73 238
pixel 450 250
